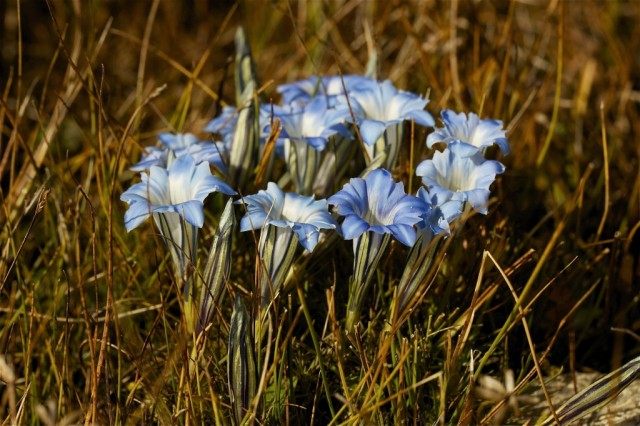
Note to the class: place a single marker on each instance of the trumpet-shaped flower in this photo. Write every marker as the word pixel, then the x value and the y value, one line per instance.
pixel 379 205
pixel 314 123
pixel 209 152
pixel 460 173
pixel 469 129
pixel 179 145
pixel 374 209
pixel 177 141
pixel 435 220
pixel 305 216
pixel 284 219
pixel 380 105
pixel 302 91
pixel 174 197
pixel 306 131
pixel 180 189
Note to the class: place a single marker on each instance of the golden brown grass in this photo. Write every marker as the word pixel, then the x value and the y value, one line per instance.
pixel 90 325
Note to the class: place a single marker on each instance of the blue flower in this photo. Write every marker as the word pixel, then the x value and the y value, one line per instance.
pixel 302 91
pixel 181 189
pixel 460 173
pixel 225 124
pixel 439 214
pixel 379 205
pixel 189 144
pixel 305 132
pixel 176 145
pixel 177 141
pixel 313 124
pixel 469 129
pixel 153 156
pixel 380 105
pixel 294 218
pixel 208 152
pixel 305 216
pixel 268 113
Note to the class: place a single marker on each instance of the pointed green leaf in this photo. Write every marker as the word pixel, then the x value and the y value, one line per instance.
pixel 216 271
pixel 241 361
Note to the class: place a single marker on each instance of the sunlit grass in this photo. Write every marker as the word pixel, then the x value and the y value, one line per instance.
pixel 91 323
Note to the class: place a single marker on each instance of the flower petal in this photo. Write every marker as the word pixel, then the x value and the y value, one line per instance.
pixel 181 174
pixel 378 204
pixel 307 235
pixel 371 130
pixel 406 234
pixel 479 199
pixel 192 211
pixel 137 213
pixel 353 227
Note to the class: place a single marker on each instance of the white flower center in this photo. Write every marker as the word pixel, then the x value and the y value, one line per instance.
pixel 290 214
pixel 372 219
pixel 459 178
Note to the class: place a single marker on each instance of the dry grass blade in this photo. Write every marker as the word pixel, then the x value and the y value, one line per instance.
pixel 92 317
pixel 264 167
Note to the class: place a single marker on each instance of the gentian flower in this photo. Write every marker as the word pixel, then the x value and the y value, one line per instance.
pixel 314 123
pixel 305 216
pixel 174 198
pixel 209 152
pixel 381 110
pixel 178 145
pixel 189 144
pixel 302 91
pixel 177 141
pixel 469 129
pixel 284 219
pixel 378 204
pixel 375 208
pixel 181 189
pixel 434 225
pixel 460 173
pixel 305 132
pixel 437 217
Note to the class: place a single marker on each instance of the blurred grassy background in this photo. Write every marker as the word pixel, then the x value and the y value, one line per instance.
pixel 563 76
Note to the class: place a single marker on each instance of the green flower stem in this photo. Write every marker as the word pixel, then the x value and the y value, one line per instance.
pixel 416 272
pixel 303 162
pixel 277 247
pixel 368 250
pixel 181 239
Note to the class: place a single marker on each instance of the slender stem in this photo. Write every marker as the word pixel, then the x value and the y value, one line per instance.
pixel 277 247
pixel 367 250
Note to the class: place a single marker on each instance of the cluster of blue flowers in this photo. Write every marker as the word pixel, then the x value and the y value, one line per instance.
pixel 316 113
